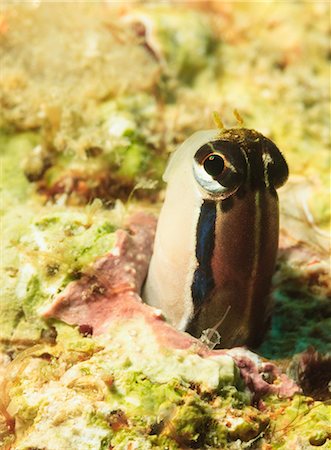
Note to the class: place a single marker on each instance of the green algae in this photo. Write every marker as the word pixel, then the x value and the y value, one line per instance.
pixel 114 404
pixel 302 312
pixel 298 423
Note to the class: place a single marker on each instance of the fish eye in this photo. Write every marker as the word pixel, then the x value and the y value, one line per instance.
pixel 214 165
pixel 218 169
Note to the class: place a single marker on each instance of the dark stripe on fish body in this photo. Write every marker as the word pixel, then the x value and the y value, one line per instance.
pixel 226 204
pixel 203 281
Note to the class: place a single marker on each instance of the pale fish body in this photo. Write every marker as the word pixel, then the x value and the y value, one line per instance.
pixel 217 235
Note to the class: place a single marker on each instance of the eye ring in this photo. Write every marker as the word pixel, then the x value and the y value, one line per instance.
pixel 213 164
pixel 219 168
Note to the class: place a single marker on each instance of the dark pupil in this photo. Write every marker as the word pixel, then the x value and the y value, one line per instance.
pixel 214 165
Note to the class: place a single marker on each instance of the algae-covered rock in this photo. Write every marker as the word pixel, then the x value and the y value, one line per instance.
pixel 45 248
pixel 93 98
pixel 87 392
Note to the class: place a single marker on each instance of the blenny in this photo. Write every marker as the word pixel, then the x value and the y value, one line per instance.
pixel 217 235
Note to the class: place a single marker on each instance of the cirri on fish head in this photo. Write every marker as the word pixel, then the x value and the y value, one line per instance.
pixel 217 235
